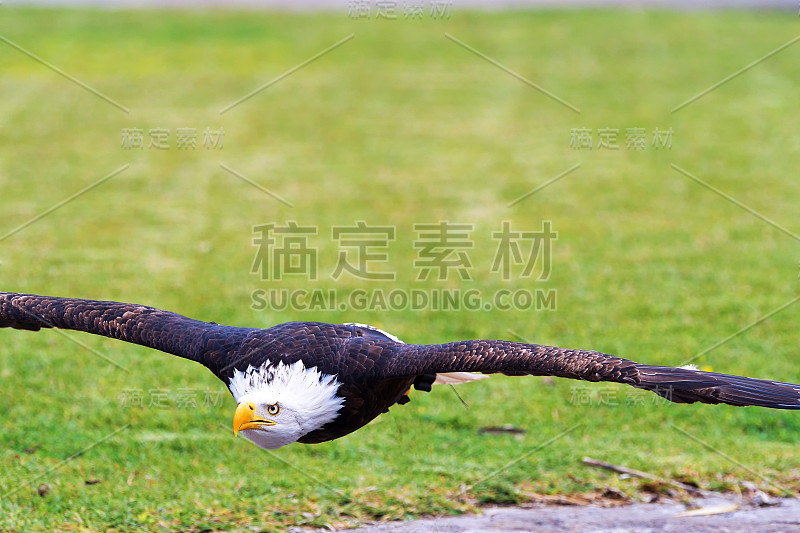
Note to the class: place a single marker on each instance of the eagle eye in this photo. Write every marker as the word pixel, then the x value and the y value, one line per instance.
pixel 274 409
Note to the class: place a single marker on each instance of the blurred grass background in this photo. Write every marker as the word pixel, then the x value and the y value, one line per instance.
pixel 398 126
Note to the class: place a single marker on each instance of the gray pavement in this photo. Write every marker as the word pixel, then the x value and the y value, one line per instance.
pixel 640 517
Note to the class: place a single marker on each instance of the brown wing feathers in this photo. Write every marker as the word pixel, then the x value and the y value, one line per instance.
pixel 679 385
pixel 511 358
pixel 682 385
pixel 139 324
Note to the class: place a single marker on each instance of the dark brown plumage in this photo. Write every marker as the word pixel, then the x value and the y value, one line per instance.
pixel 374 370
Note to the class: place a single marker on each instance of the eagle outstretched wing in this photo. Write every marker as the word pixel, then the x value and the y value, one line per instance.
pixel 138 324
pixel 222 349
pixel 679 385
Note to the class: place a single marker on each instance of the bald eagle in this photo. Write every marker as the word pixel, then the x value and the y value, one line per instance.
pixel 312 382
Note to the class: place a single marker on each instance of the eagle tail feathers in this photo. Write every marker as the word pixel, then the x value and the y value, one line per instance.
pixel 456 378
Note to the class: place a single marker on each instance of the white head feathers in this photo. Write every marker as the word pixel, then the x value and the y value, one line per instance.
pixel 308 400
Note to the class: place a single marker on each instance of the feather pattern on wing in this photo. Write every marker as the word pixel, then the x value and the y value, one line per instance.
pixel 679 385
pixel 138 324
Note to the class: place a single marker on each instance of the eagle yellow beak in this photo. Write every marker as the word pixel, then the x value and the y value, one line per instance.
pixel 245 418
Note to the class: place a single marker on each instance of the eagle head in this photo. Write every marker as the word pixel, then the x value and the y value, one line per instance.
pixel 279 403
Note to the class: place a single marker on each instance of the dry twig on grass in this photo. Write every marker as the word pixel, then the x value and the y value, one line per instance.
pixel 638 473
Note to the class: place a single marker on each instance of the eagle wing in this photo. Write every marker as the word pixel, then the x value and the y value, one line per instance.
pixel 138 324
pixel 679 385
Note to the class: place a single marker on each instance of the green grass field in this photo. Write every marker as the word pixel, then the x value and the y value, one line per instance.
pixel 400 125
